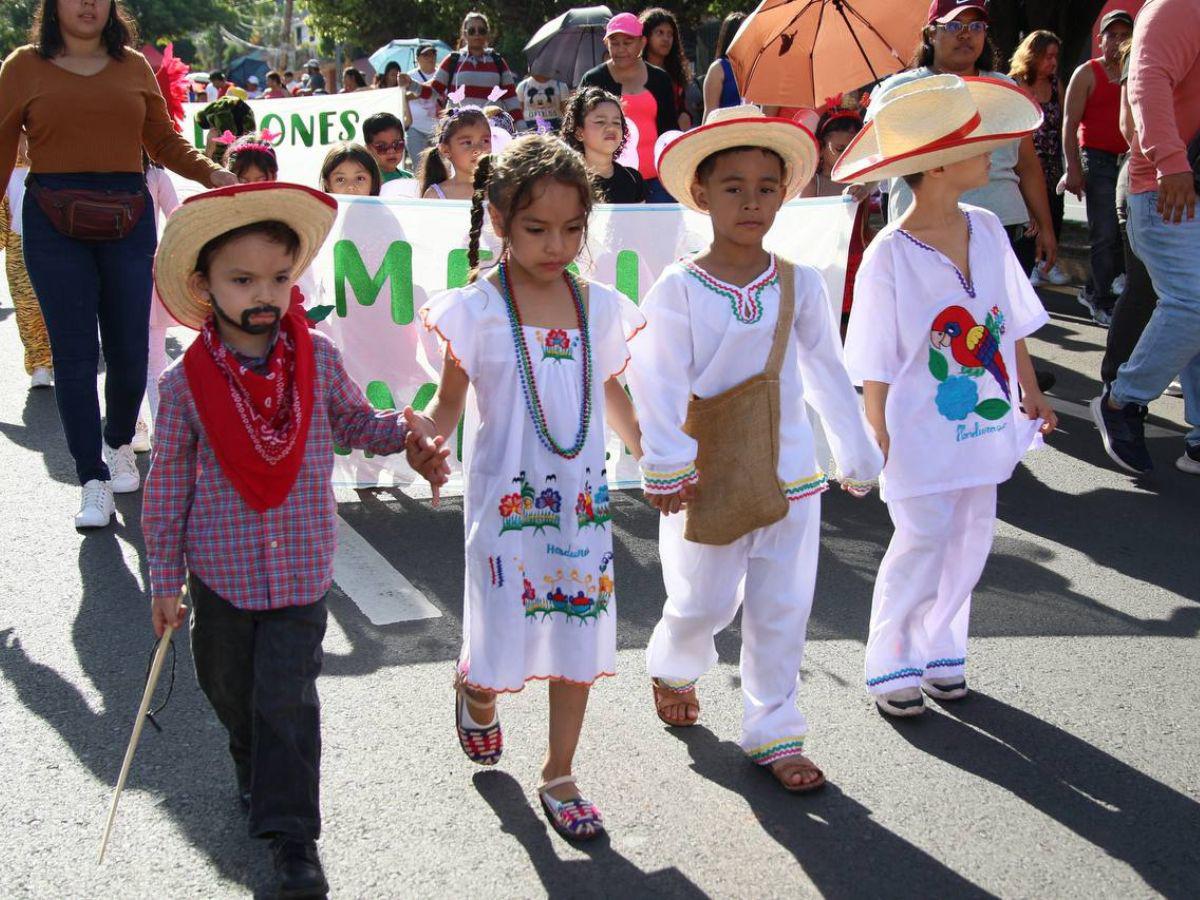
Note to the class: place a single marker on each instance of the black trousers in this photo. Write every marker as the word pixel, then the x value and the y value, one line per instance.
pixel 259 671
pixel 1136 303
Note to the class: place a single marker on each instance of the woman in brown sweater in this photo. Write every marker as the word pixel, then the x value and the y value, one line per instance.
pixel 89 104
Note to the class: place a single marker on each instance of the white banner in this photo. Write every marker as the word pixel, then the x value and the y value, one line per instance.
pixel 387 257
pixel 307 128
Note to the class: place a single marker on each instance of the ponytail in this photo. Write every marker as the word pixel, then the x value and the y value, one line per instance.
pixel 483 174
pixel 432 170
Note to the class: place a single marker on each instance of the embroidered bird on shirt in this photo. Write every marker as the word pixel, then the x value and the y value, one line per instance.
pixel 972 345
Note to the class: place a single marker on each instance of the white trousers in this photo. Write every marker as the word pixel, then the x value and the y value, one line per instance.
pixel 922 600
pixel 771 574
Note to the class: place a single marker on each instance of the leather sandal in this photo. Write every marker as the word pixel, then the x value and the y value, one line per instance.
pixel 576 820
pixel 666 697
pixel 481 745
pixel 788 766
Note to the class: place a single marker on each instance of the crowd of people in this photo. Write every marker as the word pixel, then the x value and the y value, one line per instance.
pixel 964 162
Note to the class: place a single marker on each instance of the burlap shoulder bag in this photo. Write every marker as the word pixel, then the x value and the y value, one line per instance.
pixel 738 436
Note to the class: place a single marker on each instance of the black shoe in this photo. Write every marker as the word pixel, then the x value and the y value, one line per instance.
pixel 1124 434
pixel 298 868
pixel 1045 380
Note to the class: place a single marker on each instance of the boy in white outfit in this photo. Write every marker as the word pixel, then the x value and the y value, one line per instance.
pixel 936 338
pixel 714 320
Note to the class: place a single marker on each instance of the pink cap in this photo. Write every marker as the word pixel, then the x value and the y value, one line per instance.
pixel 943 11
pixel 624 23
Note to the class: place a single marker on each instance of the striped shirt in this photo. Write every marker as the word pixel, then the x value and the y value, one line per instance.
pixel 194 519
pixel 479 75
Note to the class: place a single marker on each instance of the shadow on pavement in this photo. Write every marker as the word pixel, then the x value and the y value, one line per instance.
pixel 41 432
pixel 1128 815
pixel 606 873
pixel 841 848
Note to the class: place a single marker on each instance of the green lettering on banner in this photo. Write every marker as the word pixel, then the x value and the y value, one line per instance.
pixel 396 268
pixel 324 123
pixel 301 130
pixel 458 268
pixel 273 122
pixel 349 119
pixel 627 274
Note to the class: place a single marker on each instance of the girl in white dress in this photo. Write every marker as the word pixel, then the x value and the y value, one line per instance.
pixel 542 349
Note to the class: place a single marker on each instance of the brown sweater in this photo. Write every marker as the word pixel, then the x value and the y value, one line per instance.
pixel 97 123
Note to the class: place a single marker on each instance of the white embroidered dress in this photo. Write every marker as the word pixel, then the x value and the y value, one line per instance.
pixel 539 599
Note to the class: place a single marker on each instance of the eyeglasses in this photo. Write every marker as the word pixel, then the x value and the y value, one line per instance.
pixel 395 146
pixel 957 28
pixel 476 31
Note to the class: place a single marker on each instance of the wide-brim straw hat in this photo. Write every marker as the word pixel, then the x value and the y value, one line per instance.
pixel 738 126
pixel 199 219
pixel 935 121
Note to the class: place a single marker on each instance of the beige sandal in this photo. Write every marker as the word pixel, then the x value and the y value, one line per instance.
pixel 666 697
pixel 782 770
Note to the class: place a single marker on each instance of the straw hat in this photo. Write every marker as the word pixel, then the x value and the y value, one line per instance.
pixel 738 126
pixel 935 121
pixel 199 219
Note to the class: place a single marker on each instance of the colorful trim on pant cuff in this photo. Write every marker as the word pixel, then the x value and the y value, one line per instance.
pixel 668 482
pixel 677 685
pixel 777 750
pixel 892 676
pixel 946 663
pixel 805 487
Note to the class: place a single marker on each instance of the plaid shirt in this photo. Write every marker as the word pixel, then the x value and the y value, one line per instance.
pixel 194 519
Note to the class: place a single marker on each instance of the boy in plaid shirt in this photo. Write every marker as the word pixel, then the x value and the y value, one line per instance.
pixel 238 499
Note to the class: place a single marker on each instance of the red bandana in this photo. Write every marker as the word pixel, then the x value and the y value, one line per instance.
pixel 257 424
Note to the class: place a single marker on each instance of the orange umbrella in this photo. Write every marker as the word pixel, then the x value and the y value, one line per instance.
pixel 798 52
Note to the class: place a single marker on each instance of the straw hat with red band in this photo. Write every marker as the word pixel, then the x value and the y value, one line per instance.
pixel 199 219
pixel 935 121
pixel 738 126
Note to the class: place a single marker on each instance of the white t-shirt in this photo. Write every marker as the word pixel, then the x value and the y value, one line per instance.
pixel 16 198
pixel 947 349
pixel 541 98
pixel 424 112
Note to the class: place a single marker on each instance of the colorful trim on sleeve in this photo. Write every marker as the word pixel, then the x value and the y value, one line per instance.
pixel 777 750
pixel 668 482
pixel 805 487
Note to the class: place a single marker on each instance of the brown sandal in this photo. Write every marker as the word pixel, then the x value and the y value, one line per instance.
pixel 789 765
pixel 666 697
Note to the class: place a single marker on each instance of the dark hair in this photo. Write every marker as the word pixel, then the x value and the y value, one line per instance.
pixel 709 162
pixel 923 56
pixel 432 168
pixel 913 178
pixel 217 76
pixel 289 74
pixel 272 229
pixel 274 74
pixel 392 65
pixel 729 29
pixel 120 31
pixel 373 125
pixel 507 181
pixel 676 63
pixel 348 151
pixel 837 120
pixel 582 102
pixel 352 74
pixel 251 151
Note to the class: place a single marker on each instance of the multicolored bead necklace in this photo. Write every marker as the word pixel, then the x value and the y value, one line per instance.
pixel 746 302
pixel 968 286
pixel 533 401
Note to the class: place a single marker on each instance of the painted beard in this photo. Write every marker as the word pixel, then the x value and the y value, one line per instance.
pixel 247 314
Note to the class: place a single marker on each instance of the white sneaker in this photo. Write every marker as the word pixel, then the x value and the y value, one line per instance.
pixel 1118 285
pixel 1035 275
pixel 122 469
pixel 141 437
pixel 97 508
pixel 1174 389
pixel 1058 276
pixel 42 377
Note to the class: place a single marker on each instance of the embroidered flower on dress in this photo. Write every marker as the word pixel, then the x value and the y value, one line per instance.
pixel 957 396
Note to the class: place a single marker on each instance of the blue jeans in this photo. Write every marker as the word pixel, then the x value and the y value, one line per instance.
pixel 1100 172
pixel 80 283
pixel 1170 345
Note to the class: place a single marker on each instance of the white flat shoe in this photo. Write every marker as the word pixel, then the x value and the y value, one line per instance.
pixel 97 507
pixel 141 437
pixel 945 688
pixel 122 469
pixel 902 703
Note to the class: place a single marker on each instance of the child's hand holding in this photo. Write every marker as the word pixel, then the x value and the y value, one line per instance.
pixel 884 440
pixel 667 504
pixel 168 610
pixel 425 451
pixel 1036 406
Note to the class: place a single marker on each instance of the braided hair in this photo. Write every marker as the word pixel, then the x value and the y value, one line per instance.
pixel 432 167
pixel 508 181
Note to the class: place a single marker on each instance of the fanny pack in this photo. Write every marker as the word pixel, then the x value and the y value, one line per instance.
pixel 89 215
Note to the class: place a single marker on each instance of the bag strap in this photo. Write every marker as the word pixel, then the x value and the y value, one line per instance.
pixel 787 308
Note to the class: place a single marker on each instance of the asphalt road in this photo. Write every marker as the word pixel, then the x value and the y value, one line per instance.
pixel 1071 771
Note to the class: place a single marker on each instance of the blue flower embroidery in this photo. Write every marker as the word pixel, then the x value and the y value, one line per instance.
pixel 957 396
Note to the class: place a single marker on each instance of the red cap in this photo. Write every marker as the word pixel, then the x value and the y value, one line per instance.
pixel 943 11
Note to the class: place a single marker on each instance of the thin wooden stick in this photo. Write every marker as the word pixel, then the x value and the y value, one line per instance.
pixel 160 654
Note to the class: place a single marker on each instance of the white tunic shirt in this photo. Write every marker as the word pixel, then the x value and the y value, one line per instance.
pixel 704 336
pixel 947 348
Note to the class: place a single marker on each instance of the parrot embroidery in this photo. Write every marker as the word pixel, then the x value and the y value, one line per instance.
pixel 972 345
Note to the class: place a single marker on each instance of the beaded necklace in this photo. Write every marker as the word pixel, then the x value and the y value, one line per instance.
pixel 533 402
pixel 746 302
pixel 968 286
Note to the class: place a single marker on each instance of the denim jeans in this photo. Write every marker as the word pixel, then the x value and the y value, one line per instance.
pixel 1100 173
pixel 1170 345
pixel 259 671
pixel 79 283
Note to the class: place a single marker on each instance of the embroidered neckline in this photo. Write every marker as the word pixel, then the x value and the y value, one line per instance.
pixel 745 302
pixel 968 286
